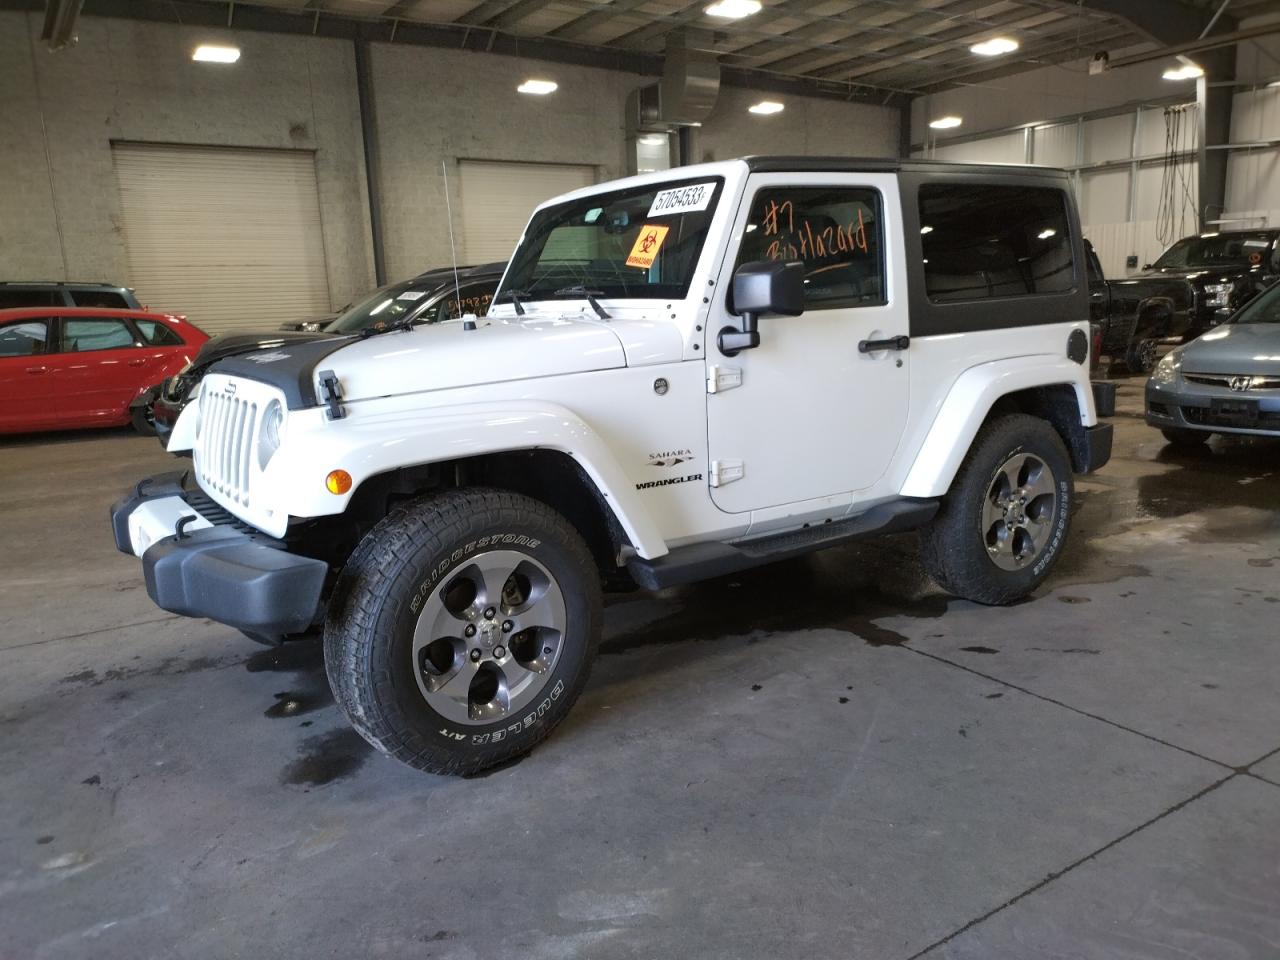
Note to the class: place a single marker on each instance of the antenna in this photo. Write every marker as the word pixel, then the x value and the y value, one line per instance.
pixel 453 249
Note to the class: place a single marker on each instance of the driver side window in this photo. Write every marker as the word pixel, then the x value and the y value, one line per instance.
pixel 834 231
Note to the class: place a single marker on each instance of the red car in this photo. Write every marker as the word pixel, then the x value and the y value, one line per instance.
pixel 69 367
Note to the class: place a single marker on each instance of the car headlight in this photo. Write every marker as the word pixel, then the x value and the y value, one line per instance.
pixel 1166 370
pixel 1217 294
pixel 269 436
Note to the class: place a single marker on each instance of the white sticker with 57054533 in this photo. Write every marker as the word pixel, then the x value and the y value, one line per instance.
pixel 696 196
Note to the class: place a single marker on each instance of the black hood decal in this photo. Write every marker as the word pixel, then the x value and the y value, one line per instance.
pixel 291 367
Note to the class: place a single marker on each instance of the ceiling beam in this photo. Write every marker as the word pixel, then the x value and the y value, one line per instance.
pixel 1161 21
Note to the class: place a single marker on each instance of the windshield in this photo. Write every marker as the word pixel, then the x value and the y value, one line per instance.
pixel 638 242
pixel 1217 250
pixel 383 307
pixel 1264 308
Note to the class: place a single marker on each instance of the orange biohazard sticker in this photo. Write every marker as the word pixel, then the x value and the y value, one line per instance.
pixel 647 246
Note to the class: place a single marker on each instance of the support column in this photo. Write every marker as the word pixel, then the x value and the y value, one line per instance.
pixel 1214 128
pixel 369 136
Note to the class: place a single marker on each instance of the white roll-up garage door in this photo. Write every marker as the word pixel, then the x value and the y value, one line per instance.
pixel 230 237
pixel 498 198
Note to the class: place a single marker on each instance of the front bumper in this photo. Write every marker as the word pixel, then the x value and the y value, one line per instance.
pixel 1182 405
pixel 213 567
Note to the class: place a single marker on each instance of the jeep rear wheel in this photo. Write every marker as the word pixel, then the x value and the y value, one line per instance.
pixel 1005 519
pixel 463 628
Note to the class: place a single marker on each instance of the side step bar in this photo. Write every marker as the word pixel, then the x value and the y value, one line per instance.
pixel 702 561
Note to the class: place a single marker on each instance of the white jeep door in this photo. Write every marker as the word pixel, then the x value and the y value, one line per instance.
pixel 805 414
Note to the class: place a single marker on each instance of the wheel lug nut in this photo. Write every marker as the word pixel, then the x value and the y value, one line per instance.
pixel 507 626
pixel 490 613
pixel 471 630
pixel 476 654
pixel 499 652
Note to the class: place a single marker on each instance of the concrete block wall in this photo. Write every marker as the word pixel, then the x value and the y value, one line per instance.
pixel 127 80
pixel 135 81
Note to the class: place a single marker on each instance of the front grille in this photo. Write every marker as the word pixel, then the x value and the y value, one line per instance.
pixel 1205 417
pixel 225 447
pixel 1225 379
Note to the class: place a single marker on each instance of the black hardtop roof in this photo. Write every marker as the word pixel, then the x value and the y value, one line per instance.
pixel 786 164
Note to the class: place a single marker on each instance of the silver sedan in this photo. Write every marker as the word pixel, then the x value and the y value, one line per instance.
pixel 1226 381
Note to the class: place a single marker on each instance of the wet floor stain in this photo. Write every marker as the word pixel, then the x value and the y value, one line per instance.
pixel 1262 561
pixel 328 757
pixel 844 699
pixel 168 667
pixel 979 649
pixel 1087 650
pixel 47 838
pixel 756 687
pixel 293 703
pixel 1075 600
pixel 309 690
pixel 92 781
pixel 993 696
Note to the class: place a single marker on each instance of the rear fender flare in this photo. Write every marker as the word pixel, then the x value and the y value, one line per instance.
pixel 965 408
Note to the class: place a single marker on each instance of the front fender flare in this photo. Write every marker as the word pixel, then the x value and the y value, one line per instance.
pixel 967 404
pixel 367 445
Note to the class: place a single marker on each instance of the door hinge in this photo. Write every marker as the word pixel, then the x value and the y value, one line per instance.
pixel 720 379
pixel 725 471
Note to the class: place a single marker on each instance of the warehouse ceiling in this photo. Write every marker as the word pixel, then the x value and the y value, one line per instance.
pixel 908 46
pixel 888 49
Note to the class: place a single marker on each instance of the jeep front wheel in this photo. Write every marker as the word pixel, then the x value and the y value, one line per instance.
pixel 1005 519
pixel 462 629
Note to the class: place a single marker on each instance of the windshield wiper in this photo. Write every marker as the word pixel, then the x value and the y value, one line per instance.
pixel 590 296
pixel 515 296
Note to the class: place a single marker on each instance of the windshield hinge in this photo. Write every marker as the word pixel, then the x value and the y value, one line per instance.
pixel 720 379
pixel 331 394
pixel 725 471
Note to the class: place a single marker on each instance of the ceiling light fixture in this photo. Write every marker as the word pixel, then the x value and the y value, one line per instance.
pixel 539 88
pixel 1188 71
pixel 766 107
pixel 654 140
pixel 945 123
pixel 211 53
pixel 733 9
pixel 994 47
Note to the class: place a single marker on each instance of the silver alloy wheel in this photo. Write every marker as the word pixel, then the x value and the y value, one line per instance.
pixel 489 637
pixel 1019 513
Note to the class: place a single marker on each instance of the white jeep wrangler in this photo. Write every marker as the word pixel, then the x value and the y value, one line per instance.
pixel 684 374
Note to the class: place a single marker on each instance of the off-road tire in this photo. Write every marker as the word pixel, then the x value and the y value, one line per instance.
pixel 952 545
pixel 1186 439
pixel 409 556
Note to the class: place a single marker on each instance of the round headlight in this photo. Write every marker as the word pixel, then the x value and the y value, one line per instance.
pixel 269 438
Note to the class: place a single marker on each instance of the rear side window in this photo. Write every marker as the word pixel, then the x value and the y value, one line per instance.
pixel 83 335
pixel 833 231
pixel 100 298
pixel 986 241
pixel 157 334
pixel 29 298
pixel 23 338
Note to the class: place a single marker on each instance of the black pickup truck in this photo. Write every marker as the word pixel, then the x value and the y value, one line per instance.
pixel 1226 269
pixel 1137 313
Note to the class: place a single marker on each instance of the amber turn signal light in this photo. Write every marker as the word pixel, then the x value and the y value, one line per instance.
pixel 338 482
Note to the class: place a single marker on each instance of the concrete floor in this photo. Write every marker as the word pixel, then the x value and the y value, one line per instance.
pixel 823 758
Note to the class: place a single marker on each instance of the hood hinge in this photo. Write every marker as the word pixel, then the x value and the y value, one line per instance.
pixel 720 379
pixel 725 471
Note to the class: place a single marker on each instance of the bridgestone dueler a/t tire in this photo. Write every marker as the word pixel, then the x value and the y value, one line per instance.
pixel 369 630
pixel 953 547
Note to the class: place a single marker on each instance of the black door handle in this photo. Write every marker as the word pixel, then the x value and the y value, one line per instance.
pixel 892 343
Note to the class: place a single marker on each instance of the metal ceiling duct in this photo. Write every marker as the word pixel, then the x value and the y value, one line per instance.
pixel 60 18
